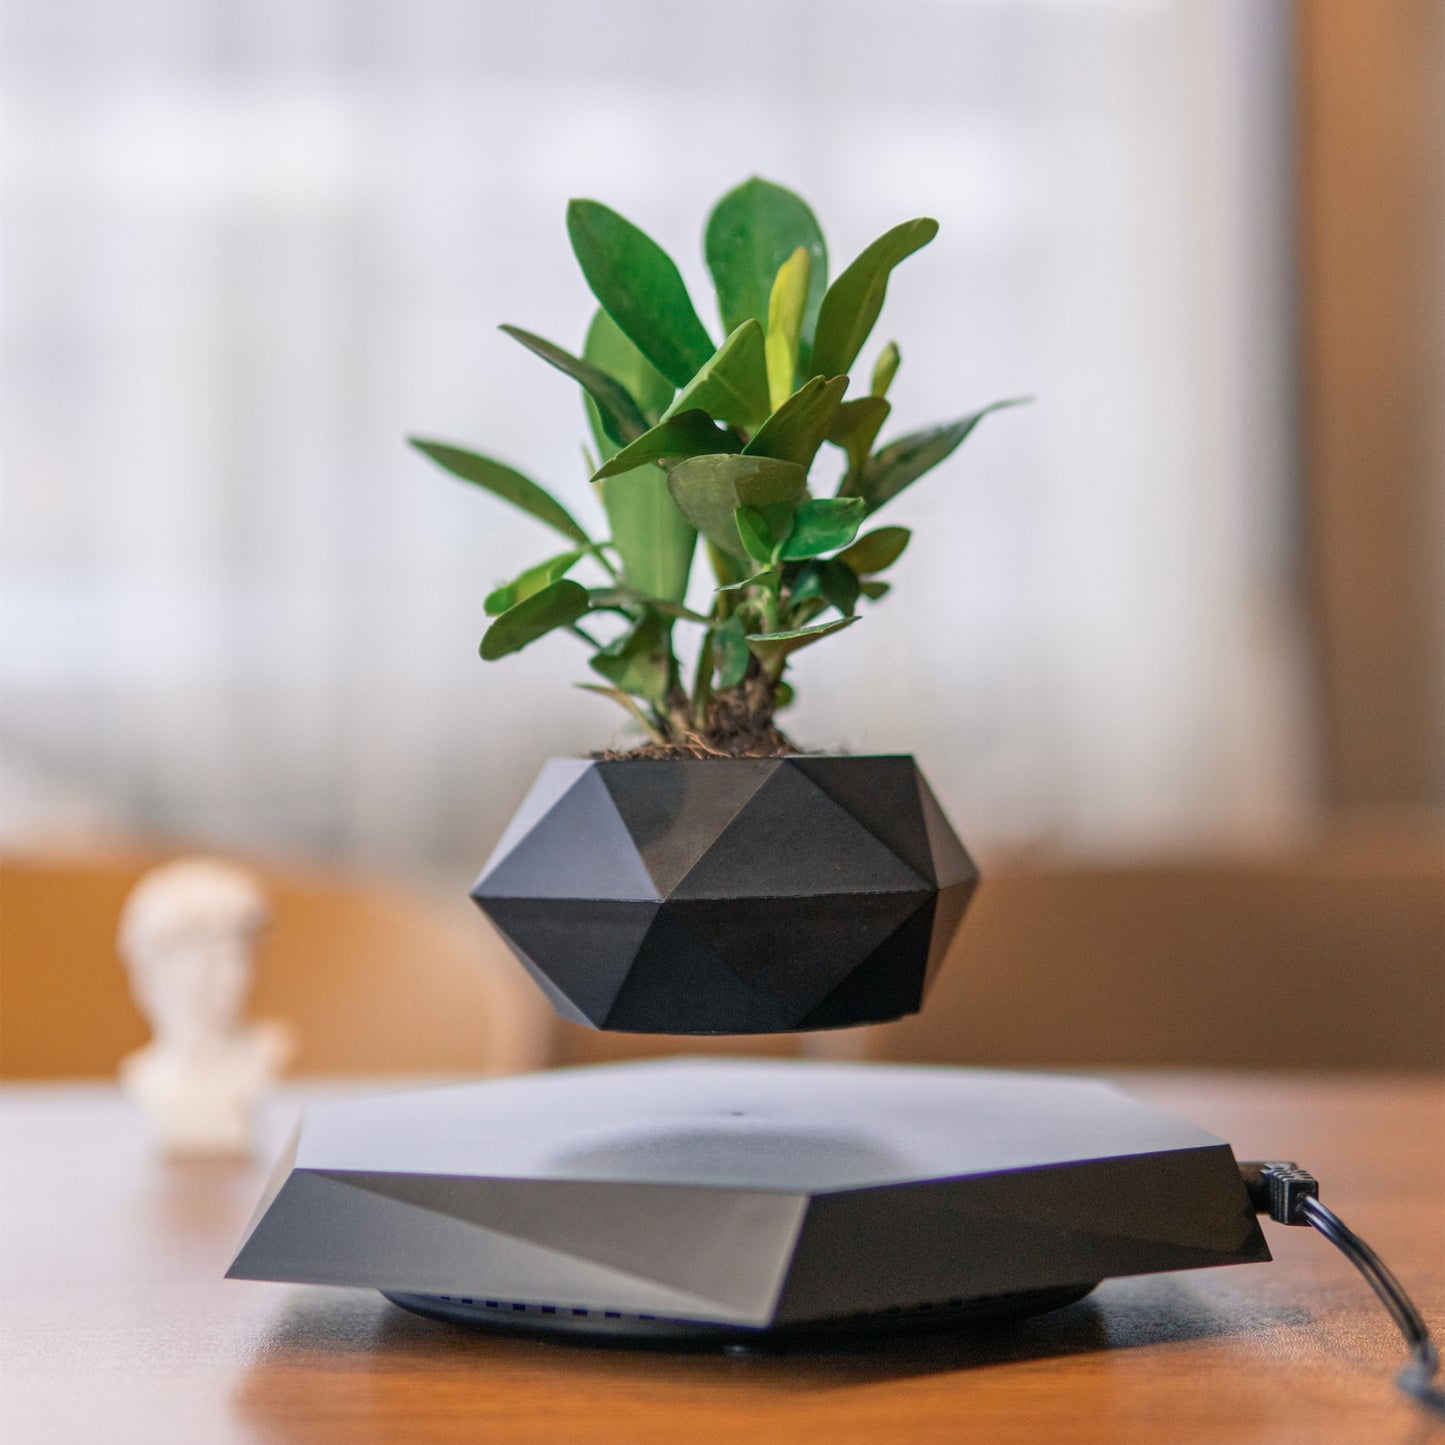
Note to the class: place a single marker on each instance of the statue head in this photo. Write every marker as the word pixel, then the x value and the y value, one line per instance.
pixel 186 935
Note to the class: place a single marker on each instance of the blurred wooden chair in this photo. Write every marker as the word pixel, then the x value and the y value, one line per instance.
pixel 1328 955
pixel 372 977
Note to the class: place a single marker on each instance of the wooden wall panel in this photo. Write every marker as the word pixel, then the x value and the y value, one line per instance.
pixel 1371 146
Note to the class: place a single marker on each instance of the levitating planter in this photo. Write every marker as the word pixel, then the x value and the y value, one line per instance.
pixel 720 879
pixel 732 895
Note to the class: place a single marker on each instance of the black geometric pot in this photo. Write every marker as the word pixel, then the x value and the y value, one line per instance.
pixel 731 895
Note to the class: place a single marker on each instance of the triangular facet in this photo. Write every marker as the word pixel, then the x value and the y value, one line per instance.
pixel 887 984
pixel 795 950
pixel 724 1247
pixel 952 902
pixel 792 840
pixel 339 1228
pixel 879 793
pixel 585 947
pixel 1123 1201
pixel 1017 1215
pixel 556 777
pixel 676 975
pixel 563 1005
pixel 986 1256
pixel 951 863
pixel 580 849
pixel 676 810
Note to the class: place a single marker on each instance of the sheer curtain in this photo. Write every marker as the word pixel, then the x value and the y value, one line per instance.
pixel 251 245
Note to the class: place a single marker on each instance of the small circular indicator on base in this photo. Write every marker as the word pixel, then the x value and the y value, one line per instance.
pixel 616 1327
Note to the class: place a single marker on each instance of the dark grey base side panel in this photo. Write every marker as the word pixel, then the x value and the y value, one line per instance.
pixel 1023 1230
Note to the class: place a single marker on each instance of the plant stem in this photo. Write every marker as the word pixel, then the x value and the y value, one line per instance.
pixel 668 609
pixel 596 550
pixel 771 602
pixel 702 682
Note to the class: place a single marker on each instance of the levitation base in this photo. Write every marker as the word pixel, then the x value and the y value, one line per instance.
pixel 696 1202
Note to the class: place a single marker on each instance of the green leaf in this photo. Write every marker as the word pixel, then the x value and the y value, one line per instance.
pixel 640 662
pixel 874 590
pixel 608 348
pixel 854 300
pixel 757 536
pixel 689 434
pixel 800 614
pixel 730 651
pixel 839 583
pixel 653 539
pixel 768 577
pixel 558 605
pixel 855 428
pixel 727 568
pixel 772 647
pixel 534 579
pixel 796 430
pixel 606 447
pixel 885 369
pixel 622 419
pixel 640 288
pixel 783 696
pixel 709 489
pixel 503 482
pixel 785 325
pixel 901 463
pixel 733 384
pixel 829 579
pixel 821 525
pixel 751 232
pixel 877 551
pixel 702 677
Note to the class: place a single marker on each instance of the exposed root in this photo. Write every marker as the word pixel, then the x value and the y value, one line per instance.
pixel 739 725
pixel 695 747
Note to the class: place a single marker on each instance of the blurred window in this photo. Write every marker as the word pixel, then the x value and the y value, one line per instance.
pixel 249 246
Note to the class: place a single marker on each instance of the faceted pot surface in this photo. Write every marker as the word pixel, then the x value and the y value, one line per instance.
pixel 737 895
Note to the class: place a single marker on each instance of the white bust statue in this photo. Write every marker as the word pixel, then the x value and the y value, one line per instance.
pixel 186 935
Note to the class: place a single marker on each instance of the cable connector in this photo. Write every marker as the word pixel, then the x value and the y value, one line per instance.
pixel 1279 1189
pixel 1290 1195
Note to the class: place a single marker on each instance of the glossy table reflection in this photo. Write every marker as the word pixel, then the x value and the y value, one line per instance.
pixel 119 1327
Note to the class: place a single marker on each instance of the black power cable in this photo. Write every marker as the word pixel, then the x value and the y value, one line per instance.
pixel 1290 1195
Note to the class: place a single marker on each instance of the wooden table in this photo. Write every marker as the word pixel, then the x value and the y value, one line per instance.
pixel 119 1327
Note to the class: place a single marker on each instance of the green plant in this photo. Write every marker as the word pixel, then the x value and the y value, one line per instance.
pixel 695 439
